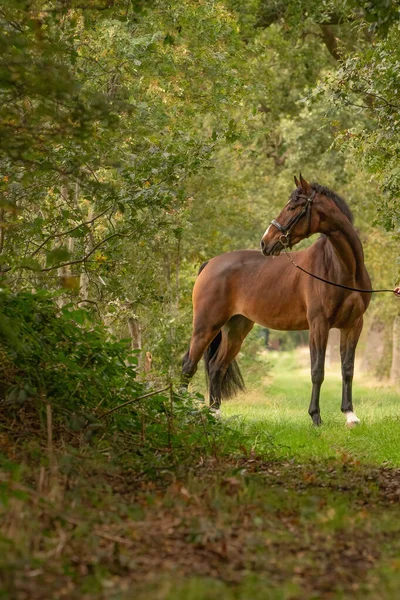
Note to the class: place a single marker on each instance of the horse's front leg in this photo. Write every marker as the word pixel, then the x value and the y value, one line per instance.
pixel 348 343
pixel 319 330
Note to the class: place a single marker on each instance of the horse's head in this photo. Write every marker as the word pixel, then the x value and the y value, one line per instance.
pixel 293 223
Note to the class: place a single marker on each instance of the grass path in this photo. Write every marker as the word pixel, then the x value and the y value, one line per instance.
pixel 279 406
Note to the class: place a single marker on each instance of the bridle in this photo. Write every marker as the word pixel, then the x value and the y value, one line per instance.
pixel 287 230
pixel 285 241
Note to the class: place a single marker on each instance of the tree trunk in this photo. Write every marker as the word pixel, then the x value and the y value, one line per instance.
pixel 84 278
pixel 64 273
pixel 148 362
pixel 135 332
pixel 333 347
pixel 395 368
pixel 374 347
pixel 328 35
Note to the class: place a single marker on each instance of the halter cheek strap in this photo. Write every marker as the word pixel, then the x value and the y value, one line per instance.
pixel 287 230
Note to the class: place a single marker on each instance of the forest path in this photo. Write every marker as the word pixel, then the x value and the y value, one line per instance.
pixel 308 513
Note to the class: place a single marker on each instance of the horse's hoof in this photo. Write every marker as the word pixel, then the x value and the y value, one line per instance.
pixel 216 412
pixel 352 420
pixel 317 421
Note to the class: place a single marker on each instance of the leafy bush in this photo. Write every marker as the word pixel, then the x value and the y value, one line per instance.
pixel 62 355
pixel 63 359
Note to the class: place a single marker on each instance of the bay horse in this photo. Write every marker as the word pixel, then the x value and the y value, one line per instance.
pixel 237 289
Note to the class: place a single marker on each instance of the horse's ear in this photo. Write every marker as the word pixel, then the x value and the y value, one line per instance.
pixel 305 186
pixel 297 182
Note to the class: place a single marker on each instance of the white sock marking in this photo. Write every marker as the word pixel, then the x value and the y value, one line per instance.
pixel 352 419
pixel 216 412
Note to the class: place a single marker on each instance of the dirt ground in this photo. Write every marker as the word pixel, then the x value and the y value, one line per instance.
pixel 322 530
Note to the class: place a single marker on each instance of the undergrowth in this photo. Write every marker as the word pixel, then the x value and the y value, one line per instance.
pixel 77 423
pixel 67 383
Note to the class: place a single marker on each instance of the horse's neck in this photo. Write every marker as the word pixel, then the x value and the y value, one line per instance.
pixel 348 249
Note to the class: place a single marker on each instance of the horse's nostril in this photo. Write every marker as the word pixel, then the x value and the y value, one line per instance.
pixel 262 244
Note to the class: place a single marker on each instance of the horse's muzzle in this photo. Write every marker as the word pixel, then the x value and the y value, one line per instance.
pixel 272 249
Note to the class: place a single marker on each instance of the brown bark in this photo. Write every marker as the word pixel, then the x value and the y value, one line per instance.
pixel 374 347
pixel 148 361
pixel 333 347
pixel 135 333
pixel 64 272
pixel 330 41
pixel 84 278
pixel 395 367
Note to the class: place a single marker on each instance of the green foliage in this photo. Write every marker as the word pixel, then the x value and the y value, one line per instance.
pixel 119 113
pixel 137 140
pixel 367 83
pixel 63 356
pixel 162 135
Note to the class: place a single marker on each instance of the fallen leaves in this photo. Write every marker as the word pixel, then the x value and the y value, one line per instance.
pixel 318 526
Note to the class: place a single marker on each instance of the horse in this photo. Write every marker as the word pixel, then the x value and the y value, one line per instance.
pixel 237 289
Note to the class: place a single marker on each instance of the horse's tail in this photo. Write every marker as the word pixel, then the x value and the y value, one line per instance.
pixel 232 382
pixel 203 266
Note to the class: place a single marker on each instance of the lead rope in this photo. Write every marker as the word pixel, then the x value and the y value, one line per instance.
pixel 345 287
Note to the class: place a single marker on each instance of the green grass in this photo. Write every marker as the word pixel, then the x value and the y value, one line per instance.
pixel 278 403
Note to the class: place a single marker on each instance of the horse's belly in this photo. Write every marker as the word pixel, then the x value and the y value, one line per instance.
pixel 266 296
pixel 278 315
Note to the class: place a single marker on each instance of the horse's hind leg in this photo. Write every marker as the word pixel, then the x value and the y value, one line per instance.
pixel 348 343
pixel 224 375
pixel 319 330
pixel 202 337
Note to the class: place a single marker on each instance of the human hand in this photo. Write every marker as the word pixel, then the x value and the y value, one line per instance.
pixel 397 291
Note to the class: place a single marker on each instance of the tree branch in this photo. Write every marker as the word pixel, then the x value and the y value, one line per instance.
pixel 378 97
pixel 330 41
pixel 66 264
pixel 62 234
pixel 108 412
pixel 84 258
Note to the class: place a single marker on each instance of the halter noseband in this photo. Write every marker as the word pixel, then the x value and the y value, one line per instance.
pixel 286 231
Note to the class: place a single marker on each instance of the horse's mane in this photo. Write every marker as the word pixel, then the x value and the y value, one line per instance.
pixel 338 200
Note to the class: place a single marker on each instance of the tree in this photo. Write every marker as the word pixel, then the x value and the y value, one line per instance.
pixel 161 135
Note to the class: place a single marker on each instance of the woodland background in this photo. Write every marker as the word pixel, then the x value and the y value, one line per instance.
pixel 139 139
